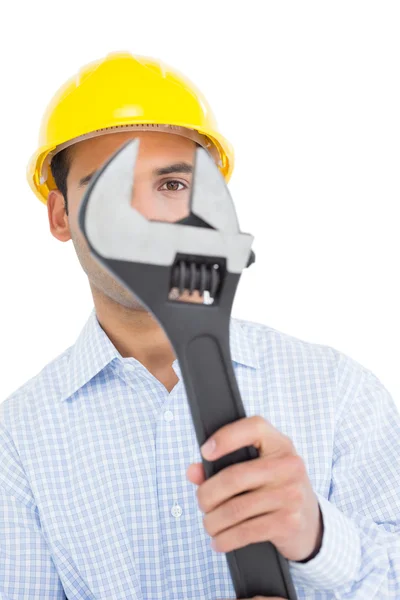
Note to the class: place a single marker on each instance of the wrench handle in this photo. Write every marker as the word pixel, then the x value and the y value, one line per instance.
pixel 200 337
pixel 214 400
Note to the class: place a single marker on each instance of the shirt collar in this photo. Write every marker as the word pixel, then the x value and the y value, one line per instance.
pixel 93 351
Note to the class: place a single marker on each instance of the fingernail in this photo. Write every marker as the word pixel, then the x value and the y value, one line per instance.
pixel 208 448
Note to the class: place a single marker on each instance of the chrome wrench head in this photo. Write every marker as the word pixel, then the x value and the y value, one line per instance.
pixel 116 230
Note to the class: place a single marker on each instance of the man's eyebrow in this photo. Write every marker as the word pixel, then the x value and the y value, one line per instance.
pixel 86 179
pixel 180 167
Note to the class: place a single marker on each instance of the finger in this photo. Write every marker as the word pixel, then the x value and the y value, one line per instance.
pixel 195 473
pixel 249 475
pixel 268 527
pixel 249 431
pixel 241 508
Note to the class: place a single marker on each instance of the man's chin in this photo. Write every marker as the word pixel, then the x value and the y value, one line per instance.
pixel 116 294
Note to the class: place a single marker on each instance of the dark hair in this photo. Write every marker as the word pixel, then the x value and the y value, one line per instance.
pixel 60 166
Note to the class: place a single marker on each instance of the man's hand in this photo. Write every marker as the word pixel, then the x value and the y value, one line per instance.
pixel 279 504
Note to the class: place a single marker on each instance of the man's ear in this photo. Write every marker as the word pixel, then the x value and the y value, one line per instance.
pixel 58 218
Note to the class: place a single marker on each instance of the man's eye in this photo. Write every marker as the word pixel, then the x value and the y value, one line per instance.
pixel 175 182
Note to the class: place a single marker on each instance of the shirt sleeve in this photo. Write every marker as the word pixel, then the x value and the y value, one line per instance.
pixel 360 553
pixel 26 567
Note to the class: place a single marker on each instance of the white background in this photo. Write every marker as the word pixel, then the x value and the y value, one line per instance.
pixel 307 92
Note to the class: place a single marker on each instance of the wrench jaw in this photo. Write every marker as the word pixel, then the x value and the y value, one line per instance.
pixel 201 252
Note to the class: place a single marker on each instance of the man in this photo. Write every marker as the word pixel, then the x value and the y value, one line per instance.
pixel 98 454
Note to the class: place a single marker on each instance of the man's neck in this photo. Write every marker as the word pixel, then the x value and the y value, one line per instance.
pixel 134 332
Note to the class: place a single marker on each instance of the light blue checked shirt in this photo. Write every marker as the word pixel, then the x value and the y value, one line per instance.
pixel 94 500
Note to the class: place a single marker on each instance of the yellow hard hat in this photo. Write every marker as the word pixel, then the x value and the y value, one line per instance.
pixel 124 92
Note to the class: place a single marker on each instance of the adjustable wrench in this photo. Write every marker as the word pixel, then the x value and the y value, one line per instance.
pixel 205 251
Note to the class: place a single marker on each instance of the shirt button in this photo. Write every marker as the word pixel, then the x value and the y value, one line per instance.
pixel 168 416
pixel 176 510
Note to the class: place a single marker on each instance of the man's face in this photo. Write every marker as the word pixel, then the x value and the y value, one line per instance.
pixel 162 197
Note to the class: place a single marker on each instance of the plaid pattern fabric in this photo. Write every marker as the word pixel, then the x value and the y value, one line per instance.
pixel 94 500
